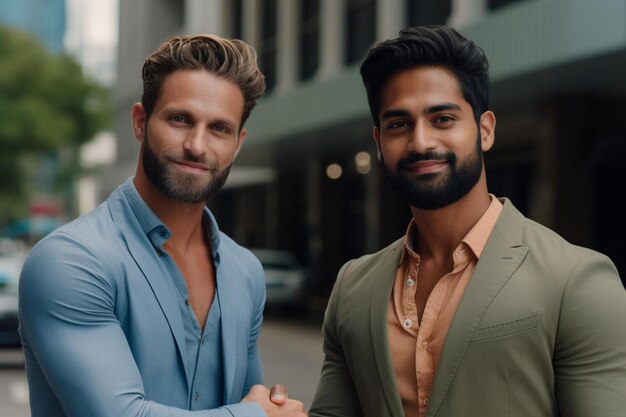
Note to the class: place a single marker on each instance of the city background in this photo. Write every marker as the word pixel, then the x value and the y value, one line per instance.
pixel 305 191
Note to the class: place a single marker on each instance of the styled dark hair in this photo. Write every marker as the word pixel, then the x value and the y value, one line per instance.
pixel 437 46
pixel 231 59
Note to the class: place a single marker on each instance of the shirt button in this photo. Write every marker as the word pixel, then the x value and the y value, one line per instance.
pixel 407 323
pixel 425 401
pixel 425 345
pixel 410 283
pixel 409 306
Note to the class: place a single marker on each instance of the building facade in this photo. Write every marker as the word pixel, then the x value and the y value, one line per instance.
pixel 307 178
pixel 43 18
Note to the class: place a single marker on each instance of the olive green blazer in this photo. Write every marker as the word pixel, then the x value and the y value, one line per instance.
pixel 540 332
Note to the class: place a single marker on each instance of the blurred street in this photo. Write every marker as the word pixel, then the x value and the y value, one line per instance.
pixel 13 388
pixel 292 356
pixel 291 352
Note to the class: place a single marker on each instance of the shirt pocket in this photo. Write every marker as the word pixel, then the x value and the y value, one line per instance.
pixel 507 328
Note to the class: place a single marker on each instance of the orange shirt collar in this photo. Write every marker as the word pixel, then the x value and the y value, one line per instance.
pixel 475 239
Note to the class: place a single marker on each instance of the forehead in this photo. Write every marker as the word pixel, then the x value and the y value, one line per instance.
pixel 422 86
pixel 198 90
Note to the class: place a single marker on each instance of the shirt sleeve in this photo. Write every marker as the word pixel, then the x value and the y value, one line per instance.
pixel 69 326
pixel 590 351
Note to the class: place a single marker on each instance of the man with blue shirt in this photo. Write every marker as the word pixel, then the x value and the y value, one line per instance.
pixel 143 307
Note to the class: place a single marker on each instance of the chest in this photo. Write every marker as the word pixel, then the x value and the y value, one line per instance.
pixel 428 275
pixel 198 271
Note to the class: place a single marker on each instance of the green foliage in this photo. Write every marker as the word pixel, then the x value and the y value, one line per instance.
pixel 46 104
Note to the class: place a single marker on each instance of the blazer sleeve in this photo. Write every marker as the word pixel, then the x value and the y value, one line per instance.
pixel 68 322
pixel 254 372
pixel 590 350
pixel 336 394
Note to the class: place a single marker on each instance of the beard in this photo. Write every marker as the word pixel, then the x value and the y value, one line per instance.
pixel 435 190
pixel 181 186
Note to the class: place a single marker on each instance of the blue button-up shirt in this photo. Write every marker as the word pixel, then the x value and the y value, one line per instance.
pixel 106 330
pixel 204 347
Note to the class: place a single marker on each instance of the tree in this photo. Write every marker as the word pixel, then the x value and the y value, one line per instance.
pixel 46 104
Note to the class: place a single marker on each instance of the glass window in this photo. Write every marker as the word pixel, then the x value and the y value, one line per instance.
pixel 309 28
pixel 496 4
pixel 427 12
pixel 236 19
pixel 360 16
pixel 268 44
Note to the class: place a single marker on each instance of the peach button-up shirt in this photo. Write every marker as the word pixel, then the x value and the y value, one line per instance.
pixel 416 346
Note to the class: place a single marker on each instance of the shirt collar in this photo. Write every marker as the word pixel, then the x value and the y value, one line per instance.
pixel 154 228
pixel 409 239
pixel 475 239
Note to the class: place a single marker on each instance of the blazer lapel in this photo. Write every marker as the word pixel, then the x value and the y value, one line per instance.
pixel 501 257
pixel 382 278
pixel 147 260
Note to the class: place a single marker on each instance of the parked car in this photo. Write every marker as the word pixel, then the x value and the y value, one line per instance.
pixel 285 279
pixel 10 269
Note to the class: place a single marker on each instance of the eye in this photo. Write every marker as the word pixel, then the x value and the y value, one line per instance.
pixel 398 124
pixel 178 118
pixel 444 119
pixel 220 128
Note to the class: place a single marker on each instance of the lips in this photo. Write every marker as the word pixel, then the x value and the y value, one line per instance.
pixel 426 167
pixel 191 166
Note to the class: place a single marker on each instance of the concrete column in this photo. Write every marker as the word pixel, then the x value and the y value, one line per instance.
pixel 250 22
pixel 204 16
pixel 465 12
pixel 332 37
pixel 287 45
pixel 390 15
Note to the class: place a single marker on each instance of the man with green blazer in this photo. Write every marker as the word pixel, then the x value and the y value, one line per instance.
pixel 477 311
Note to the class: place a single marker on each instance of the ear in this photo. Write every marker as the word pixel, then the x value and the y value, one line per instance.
pixel 376 135
pixel 242 137
pixel 487 130
pixel 138 116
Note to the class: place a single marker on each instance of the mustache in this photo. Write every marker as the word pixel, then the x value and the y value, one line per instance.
pixel 210 165
pixel 414 157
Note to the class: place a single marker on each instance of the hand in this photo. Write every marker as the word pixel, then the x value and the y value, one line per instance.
pixel 261 395
pixel 278 394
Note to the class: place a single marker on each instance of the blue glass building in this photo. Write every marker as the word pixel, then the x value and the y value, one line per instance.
pixel 46 19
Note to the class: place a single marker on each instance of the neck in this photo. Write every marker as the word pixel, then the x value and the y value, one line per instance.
pixel 184 220
pixel 440 231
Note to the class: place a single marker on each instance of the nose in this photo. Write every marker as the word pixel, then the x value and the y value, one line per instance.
pixel 196 142
pixel 423 138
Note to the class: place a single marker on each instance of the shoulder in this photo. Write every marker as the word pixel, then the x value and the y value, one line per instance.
pixel 87 243
pixel 241 260
pixel 366 262
pixel 550 255
pixel 358 277
pixel 550 248
pixel 235 252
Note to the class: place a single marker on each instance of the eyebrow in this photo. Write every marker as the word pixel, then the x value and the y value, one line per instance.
pixel 442 107
pixel 429 110
pixel 187 113
pixel 394 113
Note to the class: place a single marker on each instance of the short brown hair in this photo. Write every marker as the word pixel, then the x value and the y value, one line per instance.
pixel 231 59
